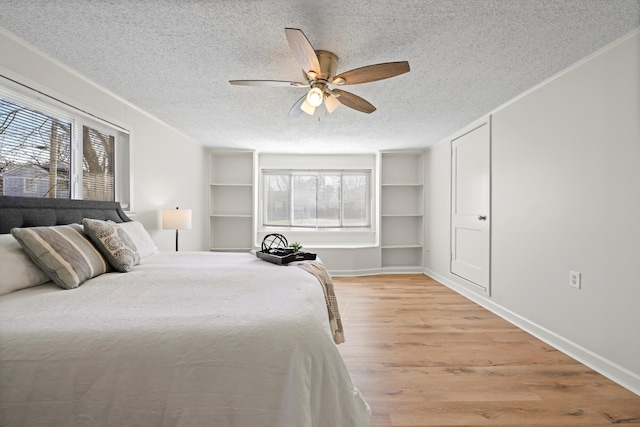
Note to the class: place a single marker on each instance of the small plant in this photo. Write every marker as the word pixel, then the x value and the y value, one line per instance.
pixel 295 246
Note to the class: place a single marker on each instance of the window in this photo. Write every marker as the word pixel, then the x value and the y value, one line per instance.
pixel 49 149
pixel 35 152
pixel 317 199
pixel 98 172
pixel 30 185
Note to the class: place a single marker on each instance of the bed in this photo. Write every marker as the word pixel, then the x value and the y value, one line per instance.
pixel 180 339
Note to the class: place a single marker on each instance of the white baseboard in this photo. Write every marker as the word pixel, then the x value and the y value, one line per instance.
pixel 401 270
pixel 376 271
pixel 353 273
pixel 620 375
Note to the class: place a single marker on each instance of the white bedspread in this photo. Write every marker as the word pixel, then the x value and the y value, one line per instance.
pixel 184 339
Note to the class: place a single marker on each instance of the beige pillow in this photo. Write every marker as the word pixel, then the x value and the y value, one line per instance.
pixel 63 252
pixel 113 242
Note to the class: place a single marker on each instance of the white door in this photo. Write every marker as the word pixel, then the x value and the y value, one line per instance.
pixel 470 205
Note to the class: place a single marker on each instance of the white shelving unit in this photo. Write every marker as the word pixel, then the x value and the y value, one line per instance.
pixel 231 200
pixel 402 211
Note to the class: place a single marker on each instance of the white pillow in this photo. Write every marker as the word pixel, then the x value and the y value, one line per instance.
pixel 140 236
pixel 17 271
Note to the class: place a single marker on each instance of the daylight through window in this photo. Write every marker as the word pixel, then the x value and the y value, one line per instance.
pixel 35 152
pixel 317 199
pixel 51 152
pixel 98 173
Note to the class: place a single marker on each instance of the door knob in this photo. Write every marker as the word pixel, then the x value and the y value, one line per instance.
pixel 482 217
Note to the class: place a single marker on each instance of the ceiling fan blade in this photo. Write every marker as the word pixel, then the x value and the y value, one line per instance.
pixel 296 110
pixel 331 103
pixel 371 73
pixel 354 101
pixel 271 83
pixel 302 50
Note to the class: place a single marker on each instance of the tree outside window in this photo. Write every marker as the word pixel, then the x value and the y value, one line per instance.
pixel 35 152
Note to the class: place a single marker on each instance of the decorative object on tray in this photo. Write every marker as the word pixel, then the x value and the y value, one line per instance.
pixel 295 246
pixel 275 249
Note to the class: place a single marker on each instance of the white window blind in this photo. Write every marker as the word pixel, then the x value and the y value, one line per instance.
pixel 35 152
pixel 49 149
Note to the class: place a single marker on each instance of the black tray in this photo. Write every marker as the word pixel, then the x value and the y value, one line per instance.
pixel 285 257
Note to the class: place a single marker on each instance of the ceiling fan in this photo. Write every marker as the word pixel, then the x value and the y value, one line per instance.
pixel 319 71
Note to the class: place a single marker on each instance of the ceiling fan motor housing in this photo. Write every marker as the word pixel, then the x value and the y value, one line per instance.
pixel 328 65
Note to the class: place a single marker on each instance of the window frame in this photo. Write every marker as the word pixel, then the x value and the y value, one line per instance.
pixel 291 173
pixel 30 184
pixel 30 98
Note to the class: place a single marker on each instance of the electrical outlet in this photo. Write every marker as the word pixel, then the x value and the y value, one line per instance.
pixel 574 279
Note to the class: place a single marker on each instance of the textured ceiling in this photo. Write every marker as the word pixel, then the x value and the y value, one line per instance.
pixel 174 59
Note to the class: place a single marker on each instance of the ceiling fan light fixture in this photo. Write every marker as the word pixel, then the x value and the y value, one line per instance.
pixel 315 97
pixel 331 103
pixel 308 108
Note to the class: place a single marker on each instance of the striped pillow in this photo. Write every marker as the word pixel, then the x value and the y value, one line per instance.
pixel 63 252
pixel 113 242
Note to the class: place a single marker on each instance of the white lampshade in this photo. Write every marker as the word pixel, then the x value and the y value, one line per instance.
pixel 176 219
pixel 308 108
pixel 315 96
pixel 331 103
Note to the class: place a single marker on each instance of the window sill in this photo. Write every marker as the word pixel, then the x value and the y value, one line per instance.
pixel 335 238
pixel 340 246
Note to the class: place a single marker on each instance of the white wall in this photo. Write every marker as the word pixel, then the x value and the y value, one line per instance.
pixel 167 167
pixel 565 196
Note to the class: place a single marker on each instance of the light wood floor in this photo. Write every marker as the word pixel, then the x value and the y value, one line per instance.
pixel 423 355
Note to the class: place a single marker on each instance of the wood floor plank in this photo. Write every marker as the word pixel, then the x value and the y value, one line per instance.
pixel 423 355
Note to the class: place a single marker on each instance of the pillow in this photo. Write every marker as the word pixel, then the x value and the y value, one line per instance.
pixel 18 271
pixel 63 252
pixel 113 242
pixel 140 236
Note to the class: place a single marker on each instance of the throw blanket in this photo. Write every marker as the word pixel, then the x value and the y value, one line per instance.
pixel 317 269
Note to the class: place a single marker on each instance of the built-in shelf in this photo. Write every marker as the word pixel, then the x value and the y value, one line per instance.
pixel 401 230
pixel 230 201
pixel 401 168
pixel 233 168
pixel 402 259
pixel 401 211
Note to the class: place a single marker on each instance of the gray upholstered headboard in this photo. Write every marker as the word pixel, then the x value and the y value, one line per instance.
pixel 33 212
